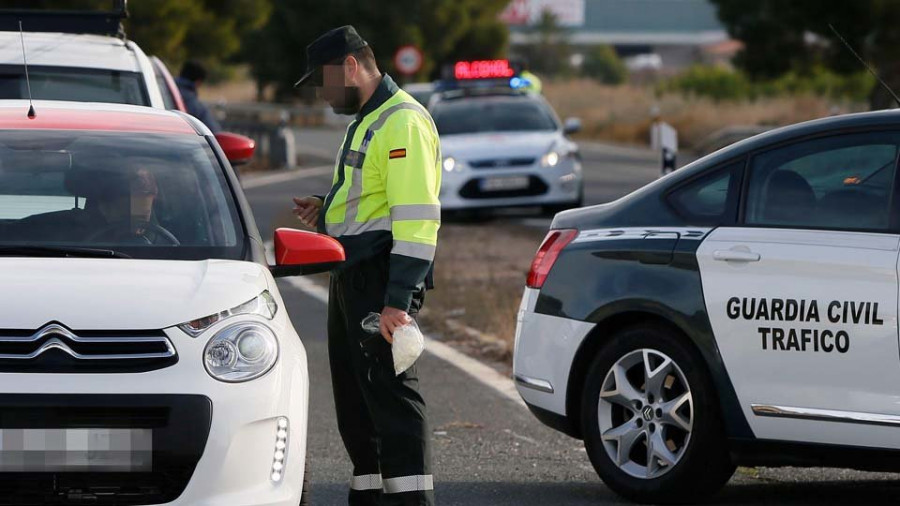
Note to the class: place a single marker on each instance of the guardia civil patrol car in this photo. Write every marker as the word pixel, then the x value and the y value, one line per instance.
pixel 503 146
pixel 739 311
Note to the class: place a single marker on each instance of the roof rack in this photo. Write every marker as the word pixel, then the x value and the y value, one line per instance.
pixel 67 21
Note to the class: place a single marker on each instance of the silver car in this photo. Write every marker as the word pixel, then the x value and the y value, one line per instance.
pixel 504 150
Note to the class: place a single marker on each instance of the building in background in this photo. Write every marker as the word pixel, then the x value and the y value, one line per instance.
pixel 655 35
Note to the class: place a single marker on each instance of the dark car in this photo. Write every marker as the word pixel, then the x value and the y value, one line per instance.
pixel 740 311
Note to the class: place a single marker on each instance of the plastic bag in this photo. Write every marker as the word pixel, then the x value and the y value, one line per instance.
pixel 408 345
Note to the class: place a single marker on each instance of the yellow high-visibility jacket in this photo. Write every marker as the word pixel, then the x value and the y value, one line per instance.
pixel 387 179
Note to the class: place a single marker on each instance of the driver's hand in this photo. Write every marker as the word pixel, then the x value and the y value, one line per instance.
pixel 307 209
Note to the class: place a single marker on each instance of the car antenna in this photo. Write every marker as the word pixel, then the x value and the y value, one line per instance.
pixel 31 113
pixel 866 65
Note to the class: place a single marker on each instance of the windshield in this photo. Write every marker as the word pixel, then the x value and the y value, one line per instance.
pixel 466 116
pixel 75 84
pixel 155 196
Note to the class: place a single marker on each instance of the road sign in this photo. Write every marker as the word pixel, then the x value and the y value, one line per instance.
pixel 408 60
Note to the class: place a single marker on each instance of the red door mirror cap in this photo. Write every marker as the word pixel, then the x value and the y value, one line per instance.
pixel 300 252
pixel 238 148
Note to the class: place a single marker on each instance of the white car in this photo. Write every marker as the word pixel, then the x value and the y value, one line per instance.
pixel 77 66
pixel 504 148
pixel 146 353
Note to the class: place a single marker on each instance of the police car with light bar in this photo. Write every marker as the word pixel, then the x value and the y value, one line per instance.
pixel 503 146
pixel 740 311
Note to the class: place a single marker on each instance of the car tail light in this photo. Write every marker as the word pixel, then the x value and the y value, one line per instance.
pixel 547 254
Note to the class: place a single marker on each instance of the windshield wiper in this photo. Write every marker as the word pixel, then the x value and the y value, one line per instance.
pixel 60 251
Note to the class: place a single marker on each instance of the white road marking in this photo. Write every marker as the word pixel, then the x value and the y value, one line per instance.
pixel 477 370
pixel 281 177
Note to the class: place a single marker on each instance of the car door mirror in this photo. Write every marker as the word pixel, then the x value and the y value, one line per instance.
pixel 571 126
pixel 298 253
pixel 238 148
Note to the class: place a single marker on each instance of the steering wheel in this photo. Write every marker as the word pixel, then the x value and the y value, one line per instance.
pixel 125 230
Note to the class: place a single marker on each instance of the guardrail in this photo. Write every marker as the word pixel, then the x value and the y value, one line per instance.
pixel 271 126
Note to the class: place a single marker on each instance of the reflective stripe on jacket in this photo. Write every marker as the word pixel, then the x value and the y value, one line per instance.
pixel 385 190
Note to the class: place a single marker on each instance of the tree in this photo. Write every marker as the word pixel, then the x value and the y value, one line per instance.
pixel 781 36
pixel 175 30
pixel 550 54
pixel 603 64
pixel 445 30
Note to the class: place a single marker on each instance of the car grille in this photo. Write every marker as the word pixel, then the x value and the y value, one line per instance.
pixel 180 428
pixel 500 163
pixel 55 349
pixel 472 190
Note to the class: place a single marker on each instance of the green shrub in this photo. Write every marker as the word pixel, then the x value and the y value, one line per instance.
pixel 713 82
pixel 724 84
pixel 603 64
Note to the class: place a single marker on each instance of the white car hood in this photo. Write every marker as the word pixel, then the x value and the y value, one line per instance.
pixel 492 146
pixel 121 294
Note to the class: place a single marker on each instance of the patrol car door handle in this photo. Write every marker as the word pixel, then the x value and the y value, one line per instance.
pixel 731 255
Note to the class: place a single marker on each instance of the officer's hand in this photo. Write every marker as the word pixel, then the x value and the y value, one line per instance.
pixel 307 209
pixel 391 318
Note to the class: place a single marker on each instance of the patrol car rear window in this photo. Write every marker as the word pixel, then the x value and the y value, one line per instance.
pixel 704 201
pixel 74 84
pixel 842 183
pixel 154 196
pixel 466 116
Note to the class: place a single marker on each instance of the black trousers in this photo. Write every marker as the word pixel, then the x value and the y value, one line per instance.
pixel 381 416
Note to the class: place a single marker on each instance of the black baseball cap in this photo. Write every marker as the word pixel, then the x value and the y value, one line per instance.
pixel 333 45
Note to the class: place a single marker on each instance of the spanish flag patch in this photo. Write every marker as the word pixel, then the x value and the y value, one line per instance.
pixel 397 153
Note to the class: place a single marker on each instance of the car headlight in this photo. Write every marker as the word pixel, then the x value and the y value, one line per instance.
pixel 262 305
pixel 241 352
pixel 557 154
pixel 450 164
pixel 550 159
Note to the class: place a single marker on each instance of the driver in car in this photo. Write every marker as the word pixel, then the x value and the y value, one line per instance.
pixel 128 213
pixel 125 208
pixel 118 208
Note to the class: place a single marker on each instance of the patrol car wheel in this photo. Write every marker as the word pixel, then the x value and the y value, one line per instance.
pixel 651 422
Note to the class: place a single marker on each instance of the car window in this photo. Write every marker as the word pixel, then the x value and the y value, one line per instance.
pixel 843 182
pixel 168 99
pixel 464 116
pixel 147 195
pixel 75 84
pixel 704 201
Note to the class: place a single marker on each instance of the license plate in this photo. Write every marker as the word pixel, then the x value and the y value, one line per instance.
pixel 76 450
pixel 493 184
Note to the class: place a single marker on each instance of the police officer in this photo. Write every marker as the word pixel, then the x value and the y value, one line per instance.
pixel 383 207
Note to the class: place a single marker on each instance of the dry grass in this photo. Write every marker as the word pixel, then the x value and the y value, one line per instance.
pixel 480 272
pixel 622 113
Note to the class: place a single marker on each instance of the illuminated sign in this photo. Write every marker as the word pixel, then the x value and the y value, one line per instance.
pixel 483 69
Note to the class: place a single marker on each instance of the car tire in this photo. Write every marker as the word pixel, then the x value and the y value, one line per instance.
pixel 305 499
pixel 689 435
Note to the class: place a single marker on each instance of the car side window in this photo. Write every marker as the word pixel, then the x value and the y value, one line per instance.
pixel 704 201
pixel 842 182
pixel 168 99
